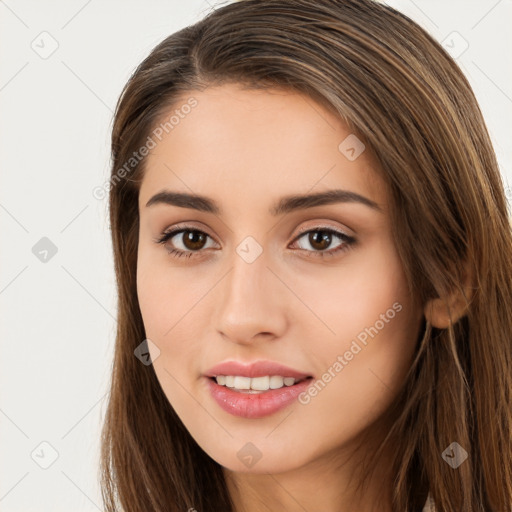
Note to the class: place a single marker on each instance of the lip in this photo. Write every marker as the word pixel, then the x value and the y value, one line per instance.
pixel 252 406
pixel 255 405
pixel 254 369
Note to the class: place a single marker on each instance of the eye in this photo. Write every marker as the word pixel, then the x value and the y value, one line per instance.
pixel 193 240
pixel 321 238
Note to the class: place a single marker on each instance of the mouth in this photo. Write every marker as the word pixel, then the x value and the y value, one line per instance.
pixel 256 385
pixel 235 395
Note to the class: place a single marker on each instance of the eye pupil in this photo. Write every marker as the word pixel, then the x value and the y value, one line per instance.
pixel 316 237
pixel 191 238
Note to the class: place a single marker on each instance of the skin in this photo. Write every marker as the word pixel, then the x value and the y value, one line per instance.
pixel 246 149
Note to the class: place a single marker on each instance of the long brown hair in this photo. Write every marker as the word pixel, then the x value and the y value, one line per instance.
pixel 397 88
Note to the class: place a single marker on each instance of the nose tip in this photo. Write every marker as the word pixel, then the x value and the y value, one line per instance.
pixel 250 309
pixel 244 335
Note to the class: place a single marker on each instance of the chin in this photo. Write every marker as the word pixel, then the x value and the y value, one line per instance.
pixel 254 458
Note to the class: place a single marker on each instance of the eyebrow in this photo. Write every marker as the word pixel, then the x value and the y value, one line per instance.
pixel 284 205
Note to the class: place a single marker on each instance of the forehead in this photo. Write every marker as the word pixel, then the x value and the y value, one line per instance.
pixel 246 145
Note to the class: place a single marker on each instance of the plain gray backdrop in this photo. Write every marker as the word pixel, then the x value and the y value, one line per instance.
pixel 63 65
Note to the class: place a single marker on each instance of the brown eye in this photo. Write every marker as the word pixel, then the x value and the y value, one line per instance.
pixel 320 239
pixel 184 242
pixel 194 240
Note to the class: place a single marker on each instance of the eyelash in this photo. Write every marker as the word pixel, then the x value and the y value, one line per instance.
pixel 348 241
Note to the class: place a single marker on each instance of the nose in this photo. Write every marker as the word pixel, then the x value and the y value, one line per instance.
pixel 252 303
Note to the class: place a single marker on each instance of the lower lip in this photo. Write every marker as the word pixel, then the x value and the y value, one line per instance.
pixel 256 405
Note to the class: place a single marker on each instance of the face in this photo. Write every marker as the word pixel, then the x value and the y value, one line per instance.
pixel 278 286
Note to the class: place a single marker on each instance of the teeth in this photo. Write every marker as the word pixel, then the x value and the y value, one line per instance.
pixel 238 382
pixel 260 383
pixel 242 383
pixel 276 382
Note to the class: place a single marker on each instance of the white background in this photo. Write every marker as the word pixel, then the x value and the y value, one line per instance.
pixel 58 317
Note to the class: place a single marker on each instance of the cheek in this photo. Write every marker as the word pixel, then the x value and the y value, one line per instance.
pixel 166 316
pixel 369 310
pixel 169 327
pixel 153 301
pixel 169 302
pixel 164 294
pixel 352 297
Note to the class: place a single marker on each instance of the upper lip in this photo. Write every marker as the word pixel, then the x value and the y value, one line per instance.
pixel 254 369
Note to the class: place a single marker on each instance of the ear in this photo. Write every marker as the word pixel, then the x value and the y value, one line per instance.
pixel 442 312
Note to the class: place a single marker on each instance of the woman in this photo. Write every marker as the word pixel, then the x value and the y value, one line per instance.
pixel 312 248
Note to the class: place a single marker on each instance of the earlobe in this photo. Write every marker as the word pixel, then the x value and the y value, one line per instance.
pixel 438 312
pixel 443 311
